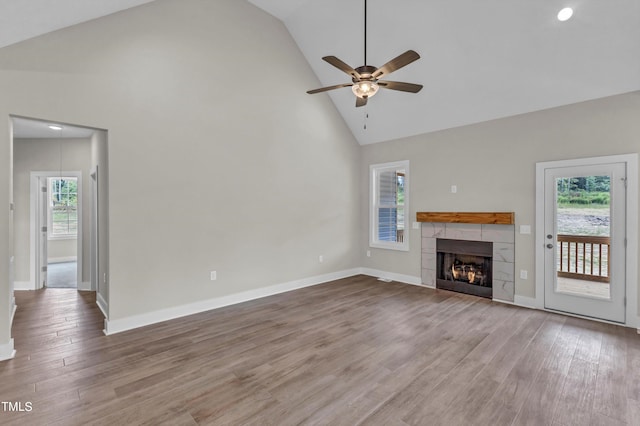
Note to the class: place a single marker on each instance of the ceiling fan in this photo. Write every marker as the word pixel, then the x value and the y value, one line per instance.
pixel 365 80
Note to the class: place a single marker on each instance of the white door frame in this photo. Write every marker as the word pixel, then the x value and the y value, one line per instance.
pixel 42 230
pixel 35 224
pixel 94 239
pixel 631 269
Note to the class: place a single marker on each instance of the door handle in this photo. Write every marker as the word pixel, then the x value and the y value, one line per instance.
pixel 549 246
pixel 549 236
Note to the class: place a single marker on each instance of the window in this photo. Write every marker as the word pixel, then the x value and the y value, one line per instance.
pixel 389 205
pixel 63 207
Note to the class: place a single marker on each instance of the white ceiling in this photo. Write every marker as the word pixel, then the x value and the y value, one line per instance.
pixel 25 19
pixel 27 128
pixel 481 60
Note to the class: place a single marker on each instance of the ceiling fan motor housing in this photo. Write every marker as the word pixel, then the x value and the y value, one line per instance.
pixel 365 72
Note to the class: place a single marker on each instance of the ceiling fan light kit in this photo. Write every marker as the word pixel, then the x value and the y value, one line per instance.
pixel 365 89
pixel 365 80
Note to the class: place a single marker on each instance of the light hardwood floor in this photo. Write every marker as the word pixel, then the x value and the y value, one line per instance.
pixel 354 351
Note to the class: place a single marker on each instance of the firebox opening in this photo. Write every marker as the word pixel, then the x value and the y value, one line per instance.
pixel 467 269
pixel 465 266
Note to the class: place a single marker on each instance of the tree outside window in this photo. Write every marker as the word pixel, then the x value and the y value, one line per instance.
pixel 63 207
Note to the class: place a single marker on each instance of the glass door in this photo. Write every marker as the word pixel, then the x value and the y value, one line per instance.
pixel 584 244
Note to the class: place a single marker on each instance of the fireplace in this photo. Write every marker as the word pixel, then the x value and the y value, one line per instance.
pixel 465 266
pixel 500 233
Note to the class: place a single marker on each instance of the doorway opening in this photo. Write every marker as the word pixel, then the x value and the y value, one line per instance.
pixel 60 220
pixel 57 222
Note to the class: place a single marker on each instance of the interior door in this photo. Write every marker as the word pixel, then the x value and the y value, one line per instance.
pixel 585 240
pixel 43 233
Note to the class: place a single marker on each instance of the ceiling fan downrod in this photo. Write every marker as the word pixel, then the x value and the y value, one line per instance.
pixel 365 32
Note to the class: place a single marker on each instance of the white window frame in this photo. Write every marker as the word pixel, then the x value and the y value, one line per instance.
pixel 50 234
pixel 374 172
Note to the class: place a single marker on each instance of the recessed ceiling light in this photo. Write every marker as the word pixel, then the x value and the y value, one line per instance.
pixel 54 127
pixel 565 14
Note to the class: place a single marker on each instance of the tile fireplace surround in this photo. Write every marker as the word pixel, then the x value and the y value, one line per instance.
pixel 502 237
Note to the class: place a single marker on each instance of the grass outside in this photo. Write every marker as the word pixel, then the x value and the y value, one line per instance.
pixel 584 220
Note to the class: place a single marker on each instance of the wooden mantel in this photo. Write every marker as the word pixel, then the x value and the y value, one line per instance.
pixel 495 218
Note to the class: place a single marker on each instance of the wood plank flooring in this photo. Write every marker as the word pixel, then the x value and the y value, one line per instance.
pixel 352 352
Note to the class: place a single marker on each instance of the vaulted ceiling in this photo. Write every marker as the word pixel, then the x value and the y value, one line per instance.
pixel 22 20
pixel 480 60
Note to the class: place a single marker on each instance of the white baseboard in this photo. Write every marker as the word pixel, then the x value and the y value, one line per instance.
pixel 7 351
pixel 27 285
pixel 406 279
pixel 526 302
pixel 62 259
pixel 23 285
pixel 102 304
pixel 135 321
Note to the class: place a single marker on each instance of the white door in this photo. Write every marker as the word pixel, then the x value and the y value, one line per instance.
pixel 584 228
pixel 42 259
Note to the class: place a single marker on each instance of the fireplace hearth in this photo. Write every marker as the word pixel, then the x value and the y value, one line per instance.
pixel 465 266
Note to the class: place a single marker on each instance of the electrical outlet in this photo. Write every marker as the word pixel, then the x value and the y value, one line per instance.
pixel 454 189
pixel 523 274
pixel 525 229
pixel 104 278
pixel 368 253
pixel 321 258
pixel 214 275
pixel 416 225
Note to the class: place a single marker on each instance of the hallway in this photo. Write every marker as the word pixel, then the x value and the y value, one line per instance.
pixel 51 322
pixel 62 275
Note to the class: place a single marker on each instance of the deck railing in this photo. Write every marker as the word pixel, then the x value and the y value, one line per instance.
pixel 584 257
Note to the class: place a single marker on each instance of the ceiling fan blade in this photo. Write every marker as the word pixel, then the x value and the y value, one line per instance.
pixel 398 85
pixel 396 63
pixel 361 101
pixel 324 89
pixel 342 66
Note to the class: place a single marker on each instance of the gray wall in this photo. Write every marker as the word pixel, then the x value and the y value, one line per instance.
pixel 6 236
pixel 218 159
pixel 63 250
pixel 43 155
pixel 493 165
